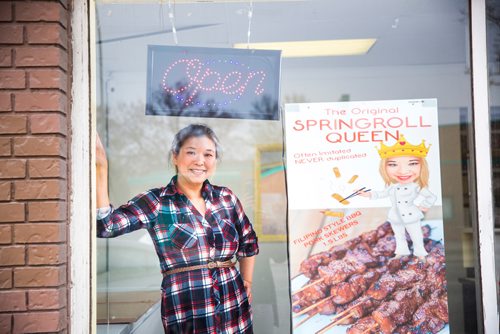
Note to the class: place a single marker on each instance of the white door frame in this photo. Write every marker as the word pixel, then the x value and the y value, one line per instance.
pixel 483 177
pixel 81 280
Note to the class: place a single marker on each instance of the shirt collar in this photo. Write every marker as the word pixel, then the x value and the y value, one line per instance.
pixel 171 189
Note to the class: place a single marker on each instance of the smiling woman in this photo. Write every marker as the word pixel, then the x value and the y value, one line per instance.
pixel 197 229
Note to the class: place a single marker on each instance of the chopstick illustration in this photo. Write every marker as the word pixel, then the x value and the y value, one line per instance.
pixel 356 193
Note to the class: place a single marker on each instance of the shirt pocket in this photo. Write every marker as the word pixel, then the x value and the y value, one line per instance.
pixel 180 231
pixel 229 231
pixel 183 235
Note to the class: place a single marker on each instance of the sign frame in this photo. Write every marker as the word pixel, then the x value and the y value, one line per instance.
pixel 213 82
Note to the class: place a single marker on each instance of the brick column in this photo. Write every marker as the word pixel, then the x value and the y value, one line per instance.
pixel 34 102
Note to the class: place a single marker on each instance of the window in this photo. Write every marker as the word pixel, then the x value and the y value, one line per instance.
pixel 420 50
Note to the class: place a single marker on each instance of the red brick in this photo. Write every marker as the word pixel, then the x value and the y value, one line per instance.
pixel 47 254
pixel 5 147
pixel 12 256
pixel 46 211
pixel 46 299
pixel 5 234
pixel 5 319
pixel 5 102
pixel 40 189
pixel 41 56
pixel 54 123
pixel 48 33
pixel 5 279
pixel 12 301
pixel 5 16
pixel 11 34
pixel 12 79
pixel 37 146
pixel 39 233
pixel 44 168
pixel 48 79
pixel 26 277
pixel 40 101
pixel 11 212
pixel 12 168
pixel 41 12
pixel 13 124
pixel 39 322
pixel 5 57
pixel 5 191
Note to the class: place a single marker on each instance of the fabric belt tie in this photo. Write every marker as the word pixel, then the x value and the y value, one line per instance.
pixel 208 265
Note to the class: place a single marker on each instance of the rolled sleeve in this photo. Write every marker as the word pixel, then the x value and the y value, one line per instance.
pixel 137 213
pixel 248 238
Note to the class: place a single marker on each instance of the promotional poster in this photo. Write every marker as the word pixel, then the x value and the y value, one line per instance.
pixel 365 217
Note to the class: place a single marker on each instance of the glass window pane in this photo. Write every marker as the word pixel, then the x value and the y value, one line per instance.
pixel 420 51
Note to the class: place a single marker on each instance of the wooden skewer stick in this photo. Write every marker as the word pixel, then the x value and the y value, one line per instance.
pixel 333 324
pixel 310 307
pixel 306 319
pixel 347 310
pixel 368 330
pixel 309 285
pixel 339 317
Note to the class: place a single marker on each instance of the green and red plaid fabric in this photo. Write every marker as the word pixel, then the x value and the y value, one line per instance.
pixel 198 301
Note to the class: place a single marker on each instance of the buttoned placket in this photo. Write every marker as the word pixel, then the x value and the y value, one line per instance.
pixel 213 272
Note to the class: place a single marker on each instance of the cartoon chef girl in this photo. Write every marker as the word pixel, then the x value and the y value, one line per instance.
pixel 406 174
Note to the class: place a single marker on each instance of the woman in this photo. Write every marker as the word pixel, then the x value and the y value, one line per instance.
pixel 197 228
pixel 406 175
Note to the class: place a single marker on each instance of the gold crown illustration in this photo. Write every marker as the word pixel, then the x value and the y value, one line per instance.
pixel 403 148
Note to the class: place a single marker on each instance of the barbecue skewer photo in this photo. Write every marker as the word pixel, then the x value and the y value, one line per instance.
pixel 358 281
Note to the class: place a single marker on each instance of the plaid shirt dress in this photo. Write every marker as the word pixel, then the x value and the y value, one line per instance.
pixel 196 301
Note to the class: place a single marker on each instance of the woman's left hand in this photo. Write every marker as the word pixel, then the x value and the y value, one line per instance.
pixel 423 209
pixel 246 270
pixel 248 289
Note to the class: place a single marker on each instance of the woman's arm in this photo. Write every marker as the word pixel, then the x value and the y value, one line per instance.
pixel 139 212
pixel 246 270
pixel 101 164
pixel 425 199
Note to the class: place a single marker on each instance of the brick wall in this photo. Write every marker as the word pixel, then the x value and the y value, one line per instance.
pixel 34 102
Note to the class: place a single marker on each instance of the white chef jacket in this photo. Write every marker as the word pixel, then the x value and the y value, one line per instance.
pixel 405 198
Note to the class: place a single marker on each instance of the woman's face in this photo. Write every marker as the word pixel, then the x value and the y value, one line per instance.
pixel 403 169
pixel 196 160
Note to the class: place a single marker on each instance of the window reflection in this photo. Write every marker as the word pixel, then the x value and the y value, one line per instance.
pixel 420 52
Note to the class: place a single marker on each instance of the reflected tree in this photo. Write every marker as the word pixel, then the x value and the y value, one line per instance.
pixel 166 103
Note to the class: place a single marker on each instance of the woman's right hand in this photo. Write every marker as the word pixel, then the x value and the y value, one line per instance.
pixel 365 193
pixel 101 164
pixel 101 161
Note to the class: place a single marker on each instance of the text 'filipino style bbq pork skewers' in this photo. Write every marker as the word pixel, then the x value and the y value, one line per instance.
pixel 309 267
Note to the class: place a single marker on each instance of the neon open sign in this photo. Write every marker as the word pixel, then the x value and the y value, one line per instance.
pixel 208 82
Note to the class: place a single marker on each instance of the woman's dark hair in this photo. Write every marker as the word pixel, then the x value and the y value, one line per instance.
pixel 195 130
